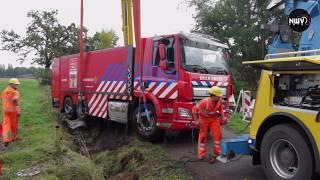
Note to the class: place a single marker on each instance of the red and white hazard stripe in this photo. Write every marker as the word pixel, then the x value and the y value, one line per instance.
pixel 98 104
pixel 115 86
pixel 161 90
pixel 167 90
pixel 94 96
pixel 104 109
pixel 100 96
pixel 219 83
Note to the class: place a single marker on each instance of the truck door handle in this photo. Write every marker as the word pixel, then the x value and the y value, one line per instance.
pixel 145 85
pixel 318 117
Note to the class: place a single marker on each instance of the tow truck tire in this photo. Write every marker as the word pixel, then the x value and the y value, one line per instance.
pixel 69 108
pixel 285 154
pixel 146 130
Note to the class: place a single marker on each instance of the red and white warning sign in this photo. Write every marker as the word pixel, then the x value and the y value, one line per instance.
pixel 246 104
pixel 246 101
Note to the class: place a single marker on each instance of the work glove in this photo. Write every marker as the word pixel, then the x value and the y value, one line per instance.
pixel 196 119
pixel 223 120
pixel 196 123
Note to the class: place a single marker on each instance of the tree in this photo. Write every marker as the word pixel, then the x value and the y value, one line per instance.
pixel 10 71
pixel 237 23
pixel 45 37
pixel 105 39
pixel 2 70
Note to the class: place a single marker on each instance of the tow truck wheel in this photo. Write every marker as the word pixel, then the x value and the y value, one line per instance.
pixel 285 154
pixel 145 129
pixel 69 108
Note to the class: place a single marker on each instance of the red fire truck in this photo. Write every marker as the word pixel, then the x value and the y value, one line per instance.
pixel 177 71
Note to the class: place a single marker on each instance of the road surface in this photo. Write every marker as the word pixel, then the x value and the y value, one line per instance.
pixel 181 148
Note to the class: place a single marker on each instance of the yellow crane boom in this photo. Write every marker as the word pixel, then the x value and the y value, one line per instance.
pixel 127 22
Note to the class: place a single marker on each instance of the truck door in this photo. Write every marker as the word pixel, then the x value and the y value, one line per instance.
pixel 55 82
pixel 163 80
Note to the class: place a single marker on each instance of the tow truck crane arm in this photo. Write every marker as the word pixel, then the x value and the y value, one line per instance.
pixel 129 7
pixel 127 22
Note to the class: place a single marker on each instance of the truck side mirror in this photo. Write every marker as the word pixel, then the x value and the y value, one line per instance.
pixel 87 48
pixel 162 54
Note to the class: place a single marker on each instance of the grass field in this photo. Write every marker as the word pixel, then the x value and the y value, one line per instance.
pixel 36 131
pixel 44 146
pixel 237 124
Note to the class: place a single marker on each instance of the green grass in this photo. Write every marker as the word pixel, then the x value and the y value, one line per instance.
pixel 39 145
pixel 36 130
pixel 140 159
pixel 237 124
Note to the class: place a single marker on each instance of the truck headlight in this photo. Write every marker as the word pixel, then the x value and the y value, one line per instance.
pixel 184 113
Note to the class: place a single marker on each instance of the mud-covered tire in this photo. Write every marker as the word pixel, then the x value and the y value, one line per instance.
pixel 147 130
pixel 285 154
pixel 69 108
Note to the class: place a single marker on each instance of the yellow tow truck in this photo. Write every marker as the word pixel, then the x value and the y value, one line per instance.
pixel 284 134
pixel 285 126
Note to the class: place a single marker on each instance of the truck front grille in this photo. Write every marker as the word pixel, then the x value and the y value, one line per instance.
pixel 202 92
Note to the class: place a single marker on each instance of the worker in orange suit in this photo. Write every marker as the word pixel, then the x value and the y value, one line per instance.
pixel 207 114
pixel 11 111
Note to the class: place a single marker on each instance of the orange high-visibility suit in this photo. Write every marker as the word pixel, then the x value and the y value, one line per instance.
pixel 209 118
pixel 10 110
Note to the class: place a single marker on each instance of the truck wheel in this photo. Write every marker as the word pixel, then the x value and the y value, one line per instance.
pixel 147 130
pixel 69 108
pixel 285 154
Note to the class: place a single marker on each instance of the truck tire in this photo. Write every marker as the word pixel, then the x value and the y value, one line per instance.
pixel 285 154
pixel 69 108
pixel 145 129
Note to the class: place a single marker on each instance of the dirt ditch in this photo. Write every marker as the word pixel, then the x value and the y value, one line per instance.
pixel 119 156
pixel 95 135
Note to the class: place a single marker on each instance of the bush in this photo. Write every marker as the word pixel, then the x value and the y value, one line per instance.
pixel 44 76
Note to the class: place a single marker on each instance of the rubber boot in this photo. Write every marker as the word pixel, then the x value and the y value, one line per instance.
pixel 212 159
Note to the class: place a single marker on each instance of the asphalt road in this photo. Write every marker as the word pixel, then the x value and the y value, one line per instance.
pixel 182 149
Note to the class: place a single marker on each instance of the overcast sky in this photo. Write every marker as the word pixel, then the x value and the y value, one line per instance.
pixel 157 16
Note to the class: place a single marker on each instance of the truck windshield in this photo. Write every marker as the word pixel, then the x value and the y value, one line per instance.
pixel 205 61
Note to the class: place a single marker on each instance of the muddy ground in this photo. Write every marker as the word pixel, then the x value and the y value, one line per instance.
pixel 182 150
pixel 124 156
